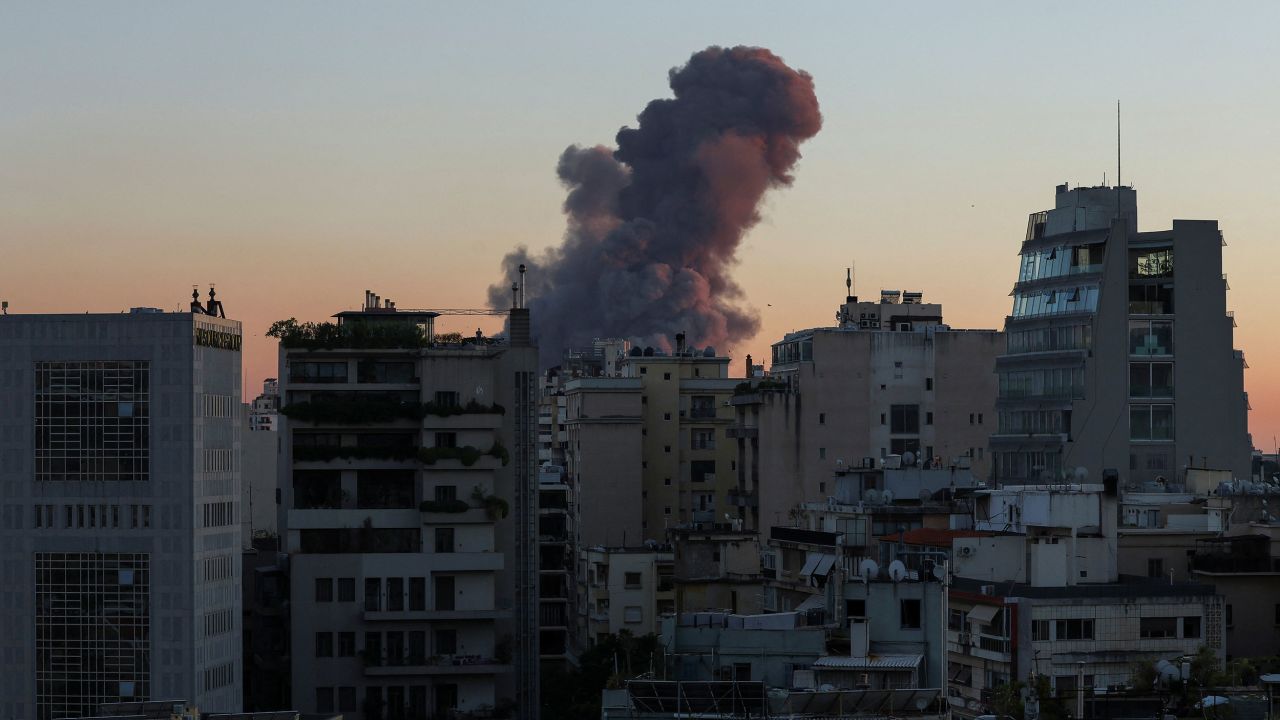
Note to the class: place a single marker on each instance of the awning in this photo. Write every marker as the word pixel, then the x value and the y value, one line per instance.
pixel 810 563
pixel 824 565
pixel 983 613
pixel 962 674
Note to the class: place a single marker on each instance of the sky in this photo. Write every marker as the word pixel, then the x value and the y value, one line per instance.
pixel 297 154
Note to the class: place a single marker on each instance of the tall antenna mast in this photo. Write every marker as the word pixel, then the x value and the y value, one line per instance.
pixel 1119 177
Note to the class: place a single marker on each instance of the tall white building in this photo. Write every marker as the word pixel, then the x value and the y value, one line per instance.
pixel 119 537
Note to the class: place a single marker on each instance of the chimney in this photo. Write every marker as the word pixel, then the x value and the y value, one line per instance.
pixel 368 298
pixel 679 343
pixel 520 332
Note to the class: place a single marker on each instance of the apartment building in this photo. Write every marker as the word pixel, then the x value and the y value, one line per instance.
pixel 648 450
pixel 120 535
pixel 628 589
pixel 559 619
pixel 1119 348
pixel 265 409
pixel 890 383
pixel 409 511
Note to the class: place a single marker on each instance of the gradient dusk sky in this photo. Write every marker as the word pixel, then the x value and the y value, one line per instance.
pixel 298 153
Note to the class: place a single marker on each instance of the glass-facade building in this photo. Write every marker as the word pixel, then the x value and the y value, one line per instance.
pixel 1119 349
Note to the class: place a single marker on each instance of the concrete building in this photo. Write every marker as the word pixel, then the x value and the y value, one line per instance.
pixel 890 381
pixel 628 589
pixel 409 511
pixel 120 530
pixel 265 409
pixel 1245 569
pixel 1119 348
pixel 662 423
pixel 259 455
pixel 560 626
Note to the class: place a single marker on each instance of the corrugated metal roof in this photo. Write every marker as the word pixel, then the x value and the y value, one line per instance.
pixel 871 662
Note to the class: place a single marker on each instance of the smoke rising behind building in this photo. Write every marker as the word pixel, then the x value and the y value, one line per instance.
pixel 653 226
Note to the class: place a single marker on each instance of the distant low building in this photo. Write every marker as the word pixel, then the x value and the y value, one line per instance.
pixel 628 589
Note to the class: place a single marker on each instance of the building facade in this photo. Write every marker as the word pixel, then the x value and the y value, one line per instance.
pixel 1119 348
pixel 409 510
pixel 264 411
pixel 628 589
pixel 889 382
pixel 120 540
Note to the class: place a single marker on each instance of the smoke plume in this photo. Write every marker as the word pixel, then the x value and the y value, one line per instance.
pixel 654 226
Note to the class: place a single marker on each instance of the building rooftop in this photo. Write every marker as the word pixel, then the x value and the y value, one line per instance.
pixel 873 661
pixel 934 537
pixel 1128 587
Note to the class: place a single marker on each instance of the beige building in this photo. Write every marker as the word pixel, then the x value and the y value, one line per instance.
pixel 408 502
pixel 649 450
pixel 889 384
pixel 628 589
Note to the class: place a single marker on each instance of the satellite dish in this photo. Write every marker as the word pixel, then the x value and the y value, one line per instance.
pixel 1081 473
pixel 908 459
pixel 868 569
pixel 888 496
pixel 940 571
pixel 897 571
pixel 873 496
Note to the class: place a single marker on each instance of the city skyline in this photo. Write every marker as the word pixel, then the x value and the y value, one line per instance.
pixel 297 164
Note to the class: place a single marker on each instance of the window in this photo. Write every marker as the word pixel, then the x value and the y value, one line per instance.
pixel 905 419
pixel 702 407
pixel 444 592
pixel 1155 567
pixel 955 619
pixel 632 579
pixel 318 372
pixel 444 540
pixel 855 608
pixel 324 699
pixel 395 594
pixel 822 453
pixel 666 416
pixel 632 614
pixel 928 418
pixel 1150 380
pixel 417 647
pixel 1151 298
pixel 385 371
pixel 1150 263
pixel 92 421
pixel 447 399
pixel 666 376
pixel 417 593
pixel 1040 630
pixel 1158 627
pixel 446 641
pixel 1150 422
pixel 346 699
pixel 346 589
pixel 666 448
pixel 702 471
pixel 666 510
pixel 324 644
pixel 822 418
pixel 372 593
pixel 1191 626
pixel 446 439
pixel 1073 629
pixel 1151 338
pixel 704 439
pixel 910 614
pixel 346 644
pixel 1228 616
pixel 324 589
pixel 928 383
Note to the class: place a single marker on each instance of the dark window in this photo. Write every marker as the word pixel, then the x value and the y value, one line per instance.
pixel 1150 380
pixel 346 699
pixel 373 593
pixel 346 644
pixel 1074 629
pixel 447 399
pixel 1040 630
pixel 910 614
pixel 395 594
pixel 417 647
pixel 1151 338
pixel 92 421
pixel 928 383
pixel 822 418
pixel 318 372
pixel 1158 627
pixel 1229 616
pixel 666 376
pixel 632 580
pixel 955 620
pixel 417 593
pixel 446 493
pixel 905 419
pixel 324 699
pixel 385 489
pixel 898 446
pixel 928 418
pixel 324 589
pixel 346 589
pixel 702 406
pixel 855 608
pixel 446 641
pixel 1155 567
pixel 444 540
pixel 1191 625
pixel 702 470
pixel 444 592
pixel 385 371
pixel 446 439
pixel 324 644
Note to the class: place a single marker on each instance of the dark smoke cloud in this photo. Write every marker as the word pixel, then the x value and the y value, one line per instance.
pixel 653 226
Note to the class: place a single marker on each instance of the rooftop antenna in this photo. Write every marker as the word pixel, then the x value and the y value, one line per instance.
pixel 1119 181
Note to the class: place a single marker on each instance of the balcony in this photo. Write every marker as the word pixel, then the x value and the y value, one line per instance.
pixel 470 516
pixel 435 665
pixel 435 615
pixel 741 499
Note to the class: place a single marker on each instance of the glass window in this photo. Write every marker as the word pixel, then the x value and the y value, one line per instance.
pixel 324 589
pixel 910 614
pixel 1150 337
pixel 92 420
pixel 346 589
pixel 1151 263
pixel 395 594
pixel 417 593
pixel 904 419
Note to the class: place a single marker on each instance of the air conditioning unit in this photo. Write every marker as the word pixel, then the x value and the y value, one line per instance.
pixel 987 589
pixel 965 551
